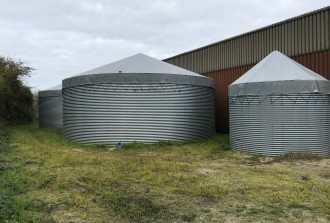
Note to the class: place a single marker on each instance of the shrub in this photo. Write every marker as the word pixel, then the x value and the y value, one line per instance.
pixel 16 99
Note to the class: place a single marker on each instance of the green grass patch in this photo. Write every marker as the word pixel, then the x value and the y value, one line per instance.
pixel 46 179
pixel 136 207
pixel 15 181
pixel 291 157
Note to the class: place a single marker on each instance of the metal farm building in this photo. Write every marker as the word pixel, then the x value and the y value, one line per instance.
pixel 140 99
pixel 50 108
pixel 305 39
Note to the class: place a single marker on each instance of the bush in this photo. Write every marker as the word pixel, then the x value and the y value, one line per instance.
pixel 16 99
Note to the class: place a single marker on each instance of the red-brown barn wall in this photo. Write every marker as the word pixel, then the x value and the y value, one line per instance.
pixel 319 62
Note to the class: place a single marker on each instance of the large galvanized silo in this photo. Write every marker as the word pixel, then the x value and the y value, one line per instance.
pixel 138 99
pixel 50 108
pixel 279 107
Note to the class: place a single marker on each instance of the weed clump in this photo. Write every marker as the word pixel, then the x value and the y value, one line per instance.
pixel 135 207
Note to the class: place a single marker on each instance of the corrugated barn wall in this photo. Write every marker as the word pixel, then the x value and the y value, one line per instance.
pixel 304 38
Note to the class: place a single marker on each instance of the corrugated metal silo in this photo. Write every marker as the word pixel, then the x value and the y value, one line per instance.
pixel 278 107
pixel 138 99
pixel 50 108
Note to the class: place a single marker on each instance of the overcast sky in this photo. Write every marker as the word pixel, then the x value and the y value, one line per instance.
pixel 65 37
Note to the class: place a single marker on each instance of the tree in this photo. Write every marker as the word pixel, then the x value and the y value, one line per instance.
pixel 16 99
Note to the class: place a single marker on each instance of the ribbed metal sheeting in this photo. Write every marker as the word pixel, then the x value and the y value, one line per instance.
pixel 106 113
pixel 50 109
pixel 304 34
pixel 277 125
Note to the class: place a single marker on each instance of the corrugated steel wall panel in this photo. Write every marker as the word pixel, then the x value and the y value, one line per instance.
pixel 277 125
pixel 319 62
pixel 50 112
pixel 301 35
pixel 108 113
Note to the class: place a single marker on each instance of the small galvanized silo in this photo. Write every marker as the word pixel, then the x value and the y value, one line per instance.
pixel 279 107
pixel 50 108
pixel 138 99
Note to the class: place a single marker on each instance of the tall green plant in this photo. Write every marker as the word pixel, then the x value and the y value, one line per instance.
pixel 16 99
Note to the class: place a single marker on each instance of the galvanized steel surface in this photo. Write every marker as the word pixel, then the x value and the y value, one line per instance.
pixel 50 111
pixel 276 125
pixel 107 113
pixel 300 35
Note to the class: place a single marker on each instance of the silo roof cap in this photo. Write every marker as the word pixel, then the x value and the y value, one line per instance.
pixel 278 74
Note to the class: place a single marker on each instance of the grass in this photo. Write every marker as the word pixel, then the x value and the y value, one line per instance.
pixel 46 179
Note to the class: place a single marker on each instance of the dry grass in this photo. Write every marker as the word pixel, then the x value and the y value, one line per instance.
pixel 191 182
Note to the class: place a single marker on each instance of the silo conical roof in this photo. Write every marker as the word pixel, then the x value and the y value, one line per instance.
pixel 57 87
pixel 138 68
pixel 51 92
pixel 278 74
